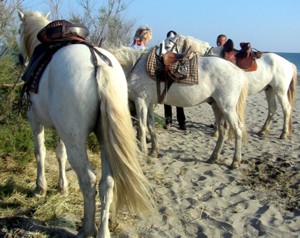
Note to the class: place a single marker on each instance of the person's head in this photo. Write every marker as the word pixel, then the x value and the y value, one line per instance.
pixel 221 40
pixel 143 35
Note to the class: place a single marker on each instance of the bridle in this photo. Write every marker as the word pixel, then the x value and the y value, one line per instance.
pixel 175 44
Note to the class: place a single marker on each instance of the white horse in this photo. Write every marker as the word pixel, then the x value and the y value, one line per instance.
pixel 276 76
pixel 228 89
pixel 75 101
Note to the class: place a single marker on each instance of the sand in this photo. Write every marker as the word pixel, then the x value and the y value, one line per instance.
pixel 196 199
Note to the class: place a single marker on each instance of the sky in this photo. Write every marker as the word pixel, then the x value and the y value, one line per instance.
pixel 269 25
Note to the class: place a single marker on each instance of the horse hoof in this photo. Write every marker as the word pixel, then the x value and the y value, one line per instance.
pixel 167 126
pixel 64 192
pixel 211 161
pixel 215 134
pixel 150 160
pixel 283 136
pixel 153 153
pixel 262 133
pixel 39 193
pixel 234 165
pixel 83 234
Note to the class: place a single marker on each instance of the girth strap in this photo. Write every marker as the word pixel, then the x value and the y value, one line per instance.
pixel 168 82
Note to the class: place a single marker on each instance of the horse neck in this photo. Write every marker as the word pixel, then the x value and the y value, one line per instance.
pixel 197 46
pixel 31 40
pixel 127 57
pixel 216 51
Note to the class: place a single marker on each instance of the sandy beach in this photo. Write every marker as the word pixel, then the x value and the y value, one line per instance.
pixel 196 199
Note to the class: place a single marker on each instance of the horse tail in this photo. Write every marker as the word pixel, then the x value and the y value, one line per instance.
pixel 241 108
pixel 291 94
pixel 131 188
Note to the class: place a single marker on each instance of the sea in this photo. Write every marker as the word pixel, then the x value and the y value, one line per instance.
pixel 292 57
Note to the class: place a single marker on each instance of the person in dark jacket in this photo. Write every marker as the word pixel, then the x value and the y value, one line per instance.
pixel 168 109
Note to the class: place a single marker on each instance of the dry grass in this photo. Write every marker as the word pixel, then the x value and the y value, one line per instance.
pixel 16 200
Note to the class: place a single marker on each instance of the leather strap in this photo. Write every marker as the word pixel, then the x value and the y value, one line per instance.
pixel 101 55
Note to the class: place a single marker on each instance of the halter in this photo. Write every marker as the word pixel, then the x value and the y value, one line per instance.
pixel 175 45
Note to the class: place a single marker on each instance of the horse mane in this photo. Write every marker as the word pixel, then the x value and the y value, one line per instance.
pixel 196 45
pixel 127 56
pixel 33 22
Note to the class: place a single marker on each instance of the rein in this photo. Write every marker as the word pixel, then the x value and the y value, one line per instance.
pixel 175 45
pixel 168 83
pixel 168 78
pixel 4 51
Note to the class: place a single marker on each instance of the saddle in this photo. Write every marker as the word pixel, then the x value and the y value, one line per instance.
pixel 53 37
pixel 172 67
pixel 170 57
pixel 61 30
pixel 245 58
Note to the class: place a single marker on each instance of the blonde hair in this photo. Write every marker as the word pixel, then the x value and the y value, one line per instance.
pixel 143 33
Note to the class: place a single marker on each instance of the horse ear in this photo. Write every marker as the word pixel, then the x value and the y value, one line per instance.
pixel 21 15
pixel 47 15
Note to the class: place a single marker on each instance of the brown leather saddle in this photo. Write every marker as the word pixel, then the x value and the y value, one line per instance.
pixel 53 37
pixel 170 57
pixel 172 67
pixel 60 30
pixel 245 58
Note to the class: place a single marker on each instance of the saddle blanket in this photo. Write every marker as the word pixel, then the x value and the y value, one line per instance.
pixel 182 71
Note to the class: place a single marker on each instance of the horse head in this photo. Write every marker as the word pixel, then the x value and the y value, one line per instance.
pixel 31 24
pixel 180 44
pixel 171 42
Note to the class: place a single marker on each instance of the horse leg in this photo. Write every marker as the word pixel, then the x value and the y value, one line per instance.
pixel 272 108
pixel 221 128
pixel 141 109
pixel 287 110
pixel 151 128
pixel 215 156
pixel 40 154
pixel 106 186
pixel 215 132
pixel 61 158
pixel 236 127
pixel 78 158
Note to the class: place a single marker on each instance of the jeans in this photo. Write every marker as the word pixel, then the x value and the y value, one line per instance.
pixel 179 113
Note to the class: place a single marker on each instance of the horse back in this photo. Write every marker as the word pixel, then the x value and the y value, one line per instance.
pixel 67 85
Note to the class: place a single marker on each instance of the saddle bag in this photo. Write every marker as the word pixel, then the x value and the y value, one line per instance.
pixel 60 30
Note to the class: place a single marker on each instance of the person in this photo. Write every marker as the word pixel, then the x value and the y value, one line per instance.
pixel 141 38
pixel 221 39
pixel 179 114
pixel 168 109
